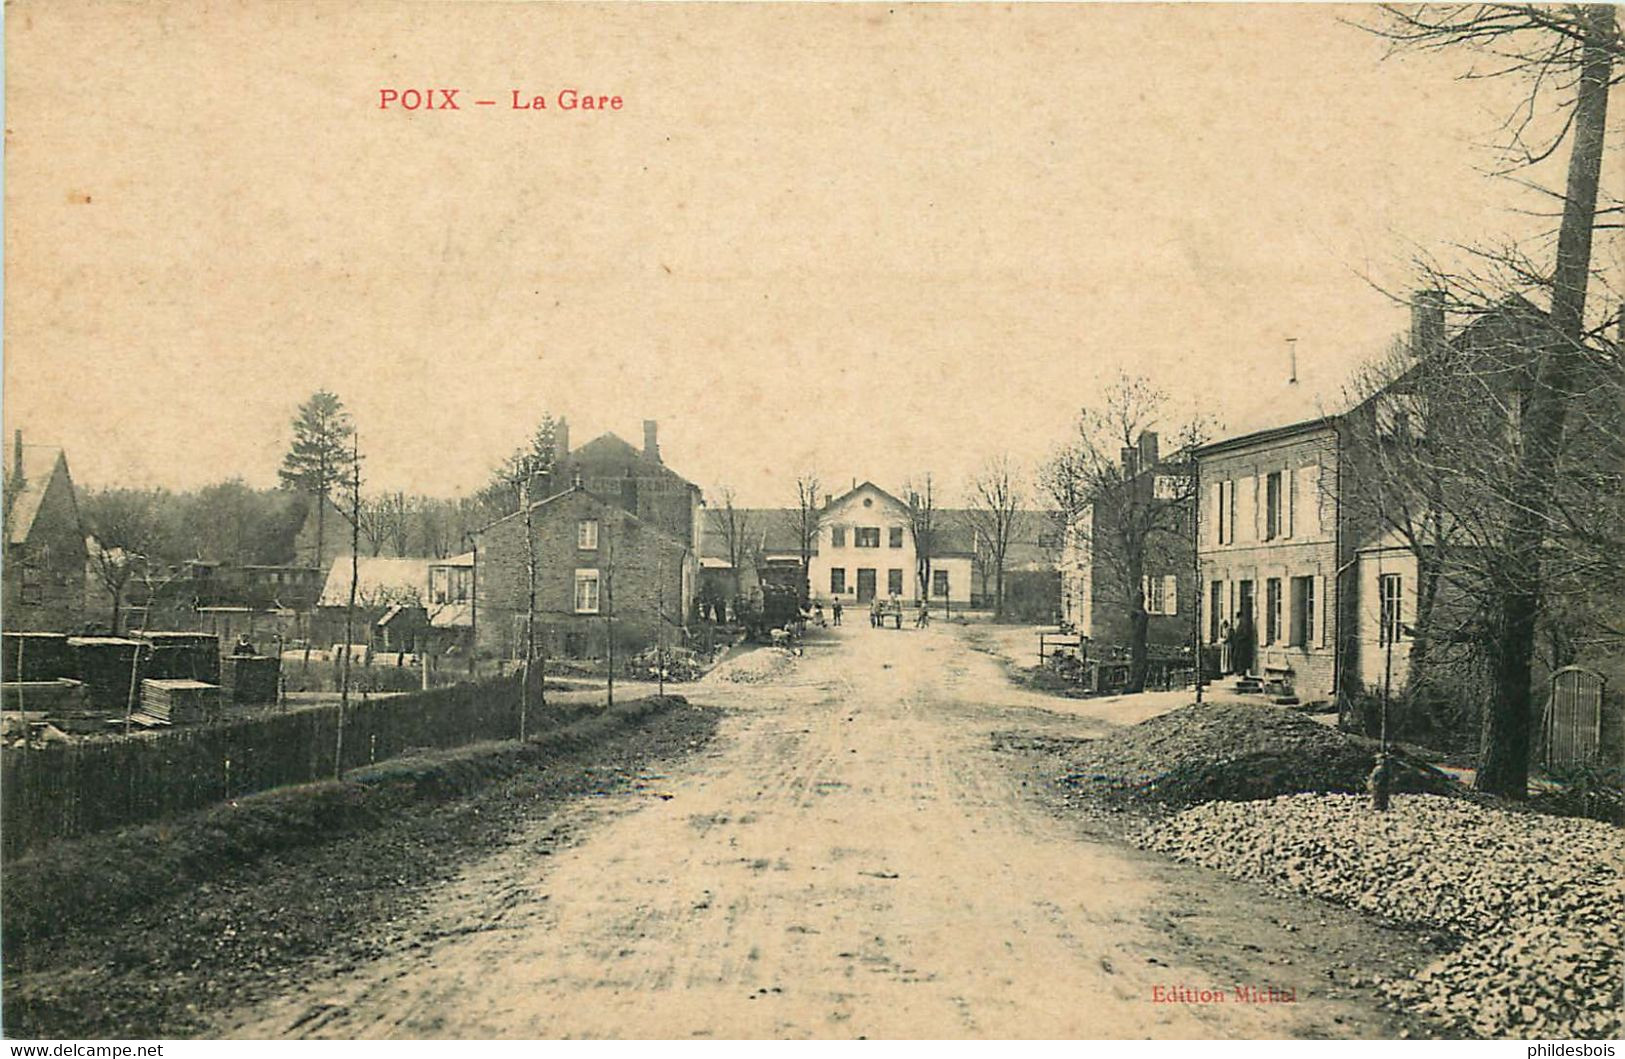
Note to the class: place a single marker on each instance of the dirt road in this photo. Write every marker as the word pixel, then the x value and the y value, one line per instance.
pixel 850 857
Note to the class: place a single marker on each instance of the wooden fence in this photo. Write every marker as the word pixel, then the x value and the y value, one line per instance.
pixel 59 791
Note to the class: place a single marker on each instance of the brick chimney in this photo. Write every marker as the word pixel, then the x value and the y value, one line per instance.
pixel 17 459
pixel 1148 449
pixel 1427 321
pixel 561 439
pixel 651 439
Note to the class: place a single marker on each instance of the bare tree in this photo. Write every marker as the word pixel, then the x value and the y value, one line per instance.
pixel 1570 50
pixel 922 526
pixel 996 496
pixel 737 528
pixel 1139 517
pixel 804 524
pixel 124 523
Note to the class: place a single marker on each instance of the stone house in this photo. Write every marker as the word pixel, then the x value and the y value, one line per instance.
pixel 44 576
pixel 636 479
pixel 598 565
pixel 1270 552
pixel 1095 598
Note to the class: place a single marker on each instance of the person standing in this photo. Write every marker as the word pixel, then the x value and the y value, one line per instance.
pixel 835 611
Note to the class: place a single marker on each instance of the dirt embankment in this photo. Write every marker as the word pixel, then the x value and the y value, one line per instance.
pixel 1219 752
pixel 149 931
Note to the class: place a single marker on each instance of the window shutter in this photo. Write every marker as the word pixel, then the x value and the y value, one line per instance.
pixel 1322 605
pixel 1249 508
pixel 1215 494
pixel 1145 594
pixel 1170 603
pixel 1289 485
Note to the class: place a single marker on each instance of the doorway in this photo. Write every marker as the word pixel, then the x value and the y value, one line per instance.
pixel 866 585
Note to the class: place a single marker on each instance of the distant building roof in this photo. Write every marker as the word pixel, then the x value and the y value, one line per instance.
pixel 378 582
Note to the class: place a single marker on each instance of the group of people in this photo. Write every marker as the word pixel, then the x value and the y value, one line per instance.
pixel 878 609
pixel 1237 644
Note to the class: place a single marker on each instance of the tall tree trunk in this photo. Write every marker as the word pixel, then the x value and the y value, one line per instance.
pixel 1504 760
pixel 1139 623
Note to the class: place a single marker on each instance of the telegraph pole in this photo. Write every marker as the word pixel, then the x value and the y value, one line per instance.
pixel 349 609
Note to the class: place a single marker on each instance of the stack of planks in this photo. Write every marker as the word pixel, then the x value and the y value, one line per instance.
pixel 253 679
pixel 104 664
pixel 183 656
pixel 180 701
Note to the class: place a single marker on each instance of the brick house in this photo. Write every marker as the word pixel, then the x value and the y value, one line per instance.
pixel 1095 598
pixel 636 479
pixel 596 561
pixel 44 578
pixel 1270 552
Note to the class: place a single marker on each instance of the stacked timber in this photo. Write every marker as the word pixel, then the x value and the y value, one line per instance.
pixel 253 679
pixel 105 665
pixel 183 656
pixel 31 656
pixel 180 701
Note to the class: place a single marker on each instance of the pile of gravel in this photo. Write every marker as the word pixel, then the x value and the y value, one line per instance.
pixel 1235 753
pixel 1539 898
pixel 754 667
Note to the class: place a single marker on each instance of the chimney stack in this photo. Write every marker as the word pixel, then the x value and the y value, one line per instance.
pixel 829 498
pixel 1292 361
pixel 1148 449
pixel 1427 321
pixel 1127 455
pixel 561 439
pixel 651 439
pixel 17 459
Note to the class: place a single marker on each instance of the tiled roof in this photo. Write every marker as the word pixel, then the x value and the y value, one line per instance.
pixel 23 500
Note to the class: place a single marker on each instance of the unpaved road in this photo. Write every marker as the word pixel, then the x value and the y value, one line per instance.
pixel 850 857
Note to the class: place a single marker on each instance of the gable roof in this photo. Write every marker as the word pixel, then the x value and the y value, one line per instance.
pixel 40 464
pixel 598 498
pixel 860 487
pixel 608 455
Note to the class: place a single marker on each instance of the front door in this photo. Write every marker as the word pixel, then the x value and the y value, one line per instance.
pixel 866 585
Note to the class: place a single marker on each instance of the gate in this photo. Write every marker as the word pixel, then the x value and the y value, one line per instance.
pixel 1574 717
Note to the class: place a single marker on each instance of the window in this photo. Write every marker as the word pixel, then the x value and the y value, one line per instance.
pixel 1225 516
pixel 586 591
pixel 33 585
pixel 1215 605
pixel 587 534
pixel 837 581
pixel 1272 610
pixel 1160 594
pixel 939 582
pixel 1272 506
pixel 837 536
pixel 1390 590
pixel 894 582
pixel 866 537
pixel 1302 632
pixel 894 537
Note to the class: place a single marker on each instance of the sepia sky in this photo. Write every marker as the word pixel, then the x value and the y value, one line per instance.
pixel 868 240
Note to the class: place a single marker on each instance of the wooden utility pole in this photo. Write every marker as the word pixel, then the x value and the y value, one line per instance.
pixel 349 607
pixel 530 599
pixel 1197 596
pixel 606 600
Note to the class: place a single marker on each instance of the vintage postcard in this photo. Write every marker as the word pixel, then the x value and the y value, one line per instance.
pixel 812 521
